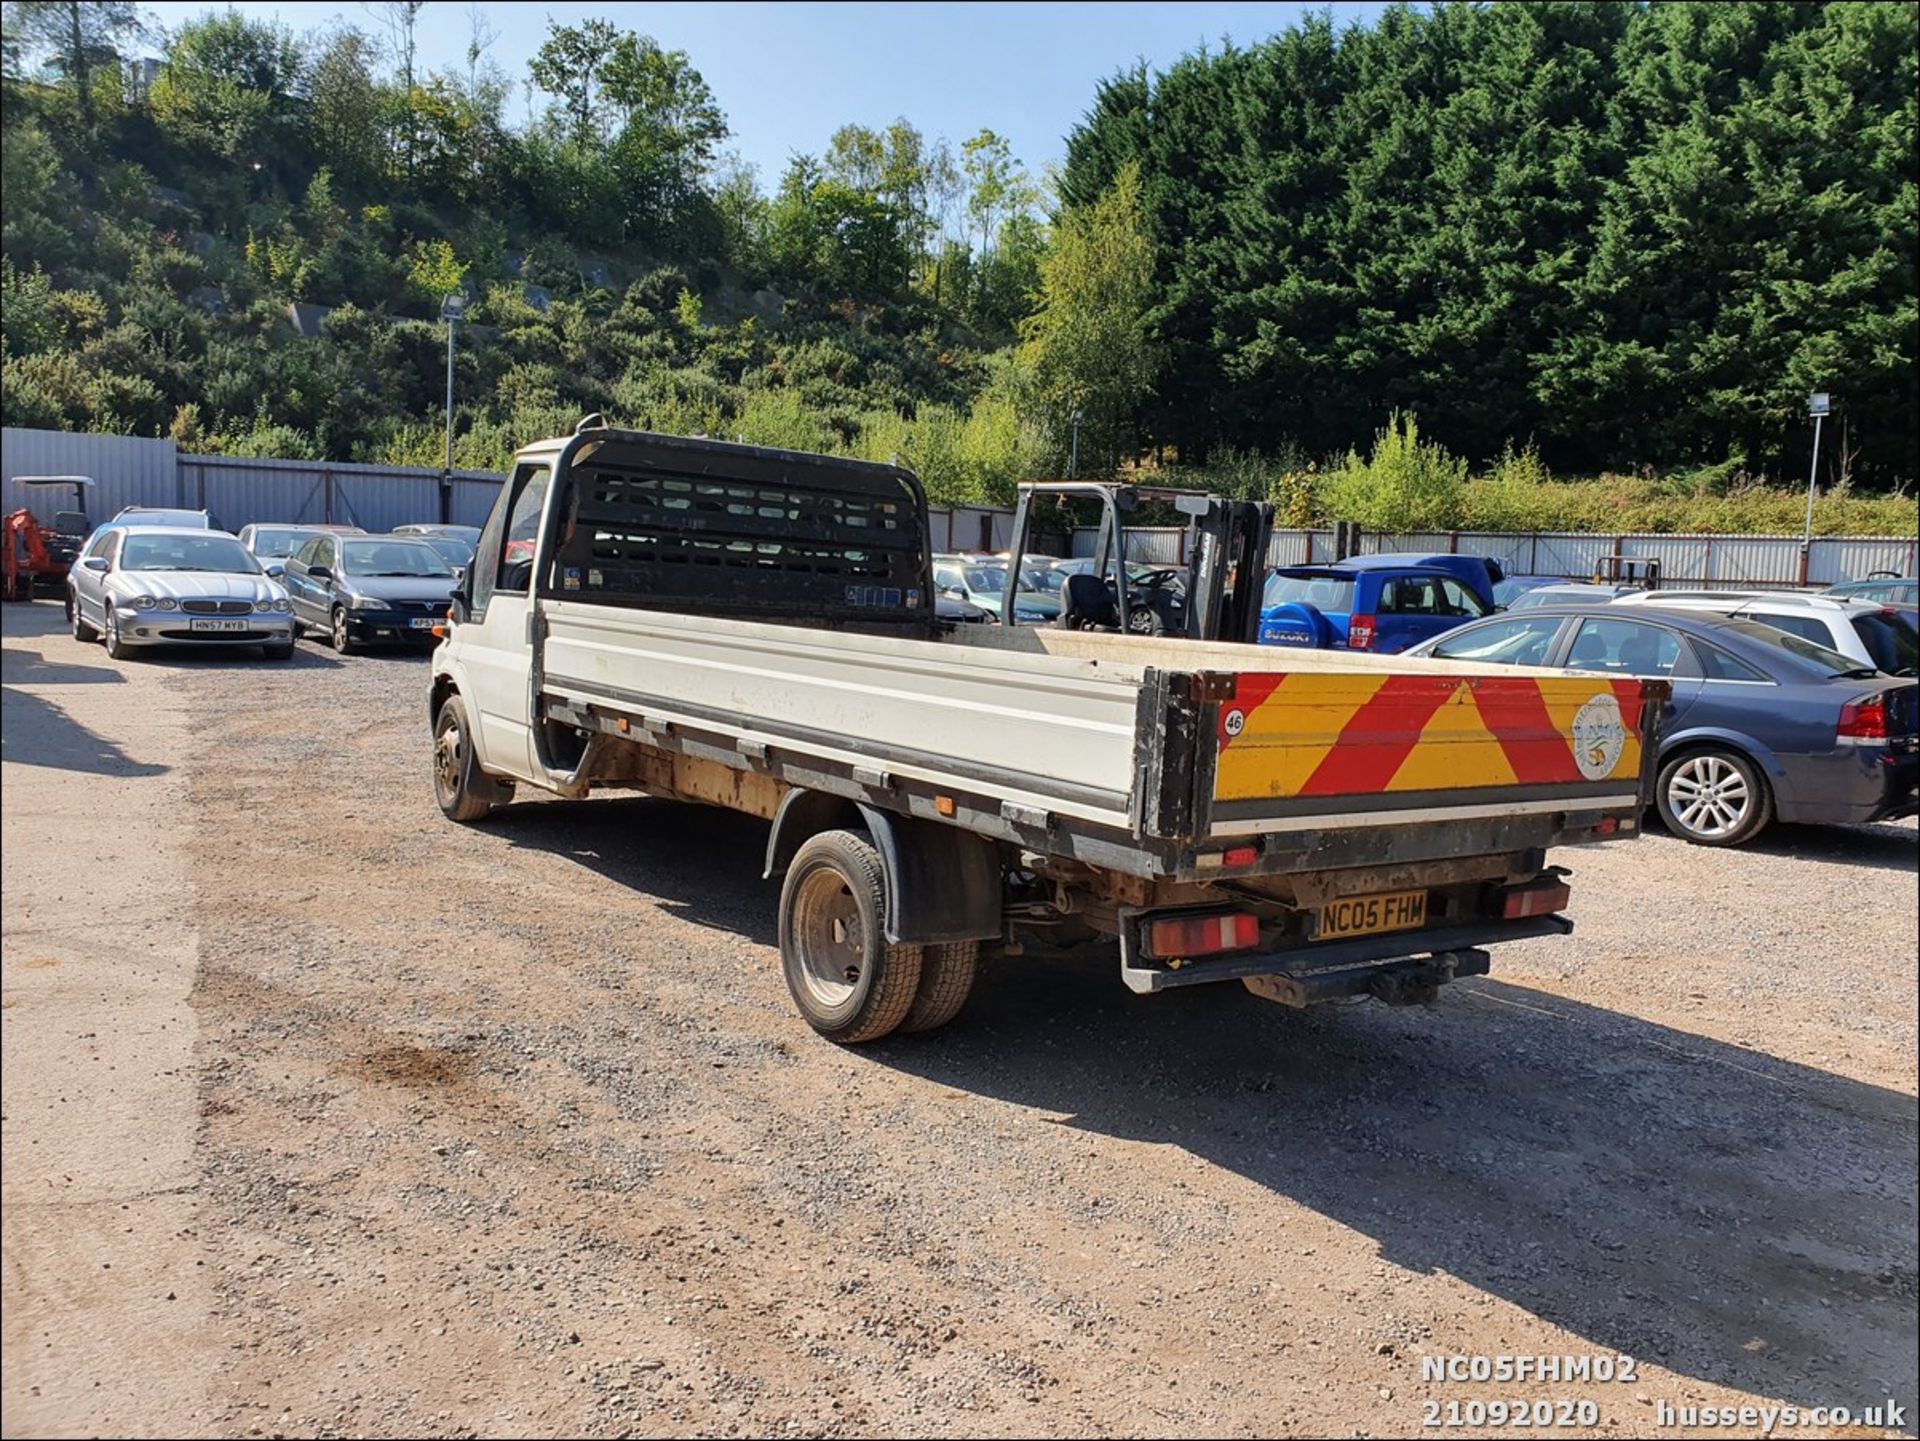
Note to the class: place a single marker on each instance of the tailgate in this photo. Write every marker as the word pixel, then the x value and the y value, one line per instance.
pixel 1316 750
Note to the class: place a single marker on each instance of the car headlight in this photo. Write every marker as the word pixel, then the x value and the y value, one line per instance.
pixel 165 602
pixel 142 602
pixel 266 605
pixel 368 602
pixel 283 605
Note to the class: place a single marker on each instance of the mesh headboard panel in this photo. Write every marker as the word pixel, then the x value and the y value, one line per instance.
pixel 784 539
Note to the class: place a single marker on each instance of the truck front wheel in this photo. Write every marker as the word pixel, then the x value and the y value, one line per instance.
pixel 850 985
pixel 464 793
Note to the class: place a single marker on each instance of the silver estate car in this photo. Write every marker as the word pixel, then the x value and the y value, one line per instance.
pixel 167 585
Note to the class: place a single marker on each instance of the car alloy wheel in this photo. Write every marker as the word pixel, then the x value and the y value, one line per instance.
pixel 1710 796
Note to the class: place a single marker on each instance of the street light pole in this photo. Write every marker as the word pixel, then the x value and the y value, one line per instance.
pixel 1818 406
pixel 450 310
pixel 1073 461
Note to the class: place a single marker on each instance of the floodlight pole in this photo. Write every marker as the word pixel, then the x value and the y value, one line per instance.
pixel 1073 461
pixel 450 308
pixel 1818 405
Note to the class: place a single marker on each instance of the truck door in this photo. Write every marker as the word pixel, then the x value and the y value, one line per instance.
pixel 493 646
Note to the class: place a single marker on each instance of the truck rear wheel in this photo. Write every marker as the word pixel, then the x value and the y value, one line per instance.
pixel 946 979
pixel 850 985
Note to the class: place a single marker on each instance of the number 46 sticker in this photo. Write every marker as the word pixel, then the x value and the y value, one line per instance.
pixel 1233 722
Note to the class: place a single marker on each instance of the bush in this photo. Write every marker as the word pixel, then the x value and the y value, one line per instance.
pixel 1406 484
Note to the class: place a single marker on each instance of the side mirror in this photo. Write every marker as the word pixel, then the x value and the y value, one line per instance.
pixel 320 572
pixel 98 563
pixel 276 569
pixel 953 591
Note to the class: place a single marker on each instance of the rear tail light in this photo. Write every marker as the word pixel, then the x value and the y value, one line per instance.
pixel 1360 632
pixel 1863 721
pixel 1231 859
pixel 1185 936
pixel 1544 897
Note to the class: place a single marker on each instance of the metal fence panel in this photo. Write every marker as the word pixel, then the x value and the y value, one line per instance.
pixel 1683 558
pixel 127 470
pixel 1855 558
pixel 243 491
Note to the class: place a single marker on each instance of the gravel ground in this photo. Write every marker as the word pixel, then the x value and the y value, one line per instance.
pixel 512 1130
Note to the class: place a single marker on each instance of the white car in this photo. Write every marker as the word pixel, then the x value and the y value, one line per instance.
pixel 170 585
pixel 164 515
pixel 1875 635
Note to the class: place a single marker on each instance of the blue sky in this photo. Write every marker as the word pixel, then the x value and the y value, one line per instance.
pixel 789 75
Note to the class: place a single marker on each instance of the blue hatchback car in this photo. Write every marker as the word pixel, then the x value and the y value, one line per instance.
pixel 1762 724
pixel 1383 603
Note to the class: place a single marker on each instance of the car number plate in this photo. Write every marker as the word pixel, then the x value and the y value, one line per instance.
pixel 424 622
pixel 223 625
pixel 1368 915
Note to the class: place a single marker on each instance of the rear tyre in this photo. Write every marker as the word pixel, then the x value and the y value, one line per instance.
pixel 850 985
pixel 946 979
pixel 464 794
pixel 1714 797
pixel 82 632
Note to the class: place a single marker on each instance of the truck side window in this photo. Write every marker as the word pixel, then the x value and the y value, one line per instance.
pixel 516 538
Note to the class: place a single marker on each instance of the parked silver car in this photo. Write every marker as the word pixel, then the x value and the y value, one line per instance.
pixel 168 585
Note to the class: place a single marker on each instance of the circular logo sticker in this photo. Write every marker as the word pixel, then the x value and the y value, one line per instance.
pixel 1598 737
pixel 1233 722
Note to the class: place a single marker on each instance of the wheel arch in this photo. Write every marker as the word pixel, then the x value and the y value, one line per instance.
pixel 1717 738
pixel 942 883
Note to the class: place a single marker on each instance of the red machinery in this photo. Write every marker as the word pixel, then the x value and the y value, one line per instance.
pixel 33 550
pixel 27 556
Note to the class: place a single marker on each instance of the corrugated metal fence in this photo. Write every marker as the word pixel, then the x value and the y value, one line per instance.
pixel 130 470
pixel 1713 561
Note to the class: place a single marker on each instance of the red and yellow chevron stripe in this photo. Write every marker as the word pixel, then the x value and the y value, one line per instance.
pixel 1321 734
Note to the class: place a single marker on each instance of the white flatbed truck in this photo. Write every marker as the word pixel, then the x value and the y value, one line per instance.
pixel 755 629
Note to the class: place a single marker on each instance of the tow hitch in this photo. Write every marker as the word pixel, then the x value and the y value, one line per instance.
pixel 1408 983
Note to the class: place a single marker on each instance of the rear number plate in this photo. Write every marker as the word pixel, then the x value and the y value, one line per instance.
pixel 423 622
pixel 227 625
pixel 1366 915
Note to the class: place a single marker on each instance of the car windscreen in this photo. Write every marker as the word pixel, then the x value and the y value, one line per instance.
pixel 391 557
pixel 1550 595
pixel 1322 592
pixel 990 579
pixel 186 552
pixel 278 543
pixel 1891 640
pixel 1799 647
pixel 451 549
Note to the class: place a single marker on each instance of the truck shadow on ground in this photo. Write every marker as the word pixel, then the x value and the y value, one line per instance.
pixel 1735 1218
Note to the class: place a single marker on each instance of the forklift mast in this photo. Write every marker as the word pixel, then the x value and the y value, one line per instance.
pixel 1225 554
